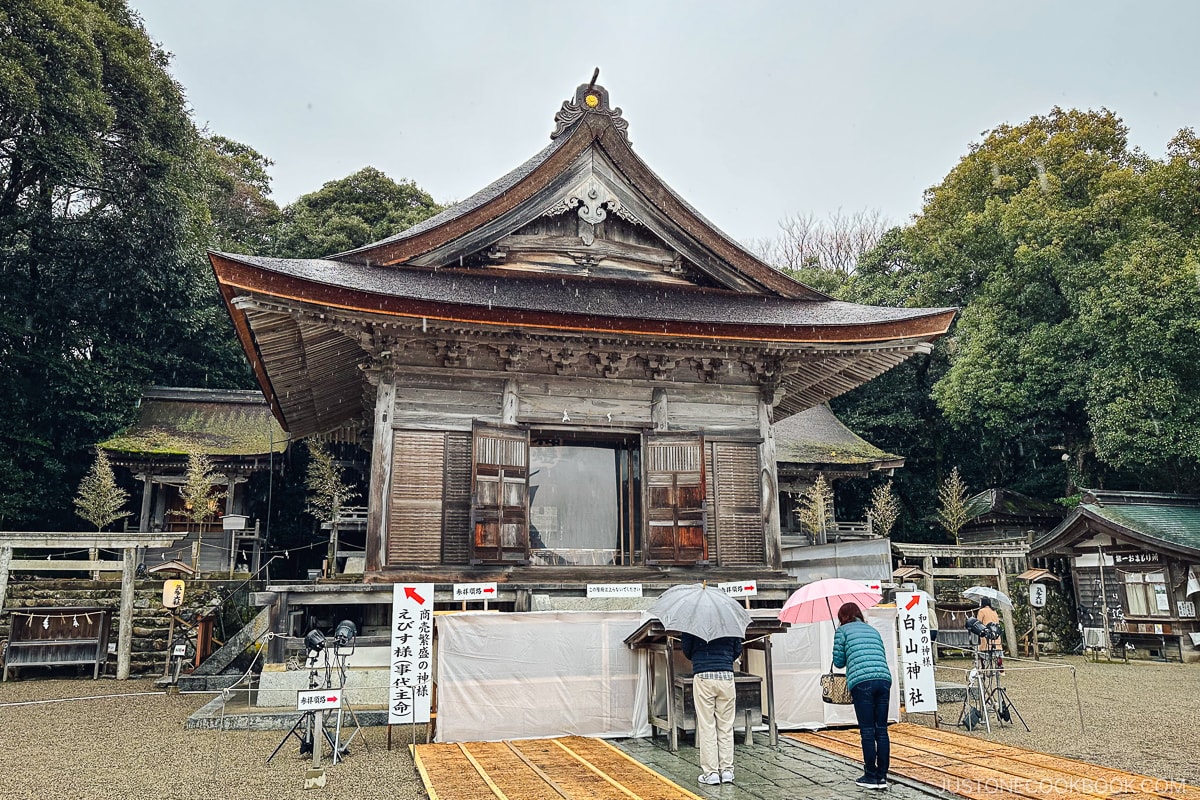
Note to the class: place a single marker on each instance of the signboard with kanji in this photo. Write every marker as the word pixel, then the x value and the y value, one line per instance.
pixel 410 683
pixel 739 588
pixel 606 590
pixel 475 591
pixel 1037 595
pixel 1140 557
pixel 916 653
pixel 318 699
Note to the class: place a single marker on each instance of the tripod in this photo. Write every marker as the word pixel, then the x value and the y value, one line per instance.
pixel 309 722
pixel 991 693
pixel 341 652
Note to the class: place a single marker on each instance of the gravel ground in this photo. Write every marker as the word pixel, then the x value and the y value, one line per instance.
pixel 136 747
pixel 1143 717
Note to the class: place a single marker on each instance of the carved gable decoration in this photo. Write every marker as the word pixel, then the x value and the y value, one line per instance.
pixel 588 98
pixel 588 229
pixel 593 201
pixel 590 174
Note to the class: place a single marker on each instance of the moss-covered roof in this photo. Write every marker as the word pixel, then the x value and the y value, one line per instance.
pixel 818 437
pixel 1009 504
pixel 1170 522
pixel 174 421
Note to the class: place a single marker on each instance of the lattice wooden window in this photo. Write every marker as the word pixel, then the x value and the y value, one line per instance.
pixel 675 500
pixel 456 500
pixel 415 500
pixel 737 504
pixel 500 494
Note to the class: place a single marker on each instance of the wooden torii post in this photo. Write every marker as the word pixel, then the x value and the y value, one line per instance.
pixel 997 554
pixel 126 542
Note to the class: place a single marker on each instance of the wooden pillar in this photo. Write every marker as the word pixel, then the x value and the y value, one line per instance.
pixel 125 625
pixel 511 402
pixel 381 471
pixel 5 561
pixel 927 568
pixel 147 493
pixel 144 515
pixel 1037 656
pixel 770 487
pixel 1010 632
pixel 279 626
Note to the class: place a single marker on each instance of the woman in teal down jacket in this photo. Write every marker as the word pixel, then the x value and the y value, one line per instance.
pixel 859 649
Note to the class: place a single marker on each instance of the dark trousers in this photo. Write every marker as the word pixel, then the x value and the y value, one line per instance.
pixel 871 708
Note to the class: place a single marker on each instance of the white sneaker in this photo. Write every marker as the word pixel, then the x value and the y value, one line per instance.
pixel 710 779
pixel 727 775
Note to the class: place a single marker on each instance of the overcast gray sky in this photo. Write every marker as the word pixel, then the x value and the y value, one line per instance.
pixel 752 111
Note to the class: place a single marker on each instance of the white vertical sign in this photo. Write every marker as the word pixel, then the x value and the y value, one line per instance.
pixel 916 652
pixel 411 679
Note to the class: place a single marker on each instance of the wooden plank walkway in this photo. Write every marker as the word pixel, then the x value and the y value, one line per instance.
pixel 981 770
pixel 570 768
pixel 574 768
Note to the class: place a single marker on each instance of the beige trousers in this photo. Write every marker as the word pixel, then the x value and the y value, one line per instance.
pixel 714 703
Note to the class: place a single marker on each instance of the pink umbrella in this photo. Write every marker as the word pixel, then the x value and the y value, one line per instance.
pixel 820 600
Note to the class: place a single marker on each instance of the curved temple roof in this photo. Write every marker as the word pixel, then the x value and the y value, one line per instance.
pixel 600 246
pixel 816 438
pixel 575 304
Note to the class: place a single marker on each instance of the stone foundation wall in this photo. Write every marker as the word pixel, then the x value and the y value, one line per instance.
pixel 151 621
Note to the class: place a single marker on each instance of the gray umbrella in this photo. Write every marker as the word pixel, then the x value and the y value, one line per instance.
pixel 703 611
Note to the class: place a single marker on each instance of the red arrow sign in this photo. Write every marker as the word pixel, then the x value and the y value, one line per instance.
pixel 331 699
pixel 916 598
pixel 411 594
pixel 489 590
pixel 749 588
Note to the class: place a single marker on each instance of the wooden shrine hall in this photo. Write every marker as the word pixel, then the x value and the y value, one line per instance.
pixel 569 376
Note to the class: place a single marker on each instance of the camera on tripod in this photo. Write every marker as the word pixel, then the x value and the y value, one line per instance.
pixel 991 631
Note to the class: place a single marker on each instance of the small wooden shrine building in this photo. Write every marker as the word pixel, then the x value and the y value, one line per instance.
pixel 999 516
pixel 569 376
pixel 1134 562
pixel 815 442
pixel 241 437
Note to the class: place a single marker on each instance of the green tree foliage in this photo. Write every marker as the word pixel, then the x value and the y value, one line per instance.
pixel 103 285
pixel 242 214
pixel 348 213
pixel 1074 259
pixel 100 499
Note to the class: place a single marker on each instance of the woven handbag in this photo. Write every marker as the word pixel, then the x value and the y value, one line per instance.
pixel 834 689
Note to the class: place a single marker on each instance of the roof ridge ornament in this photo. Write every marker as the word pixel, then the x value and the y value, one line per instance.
pixel 589 99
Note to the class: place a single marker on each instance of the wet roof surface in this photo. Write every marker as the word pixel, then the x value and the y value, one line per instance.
pixel 582 296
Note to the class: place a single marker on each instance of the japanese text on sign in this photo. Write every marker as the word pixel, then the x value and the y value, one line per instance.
pixel 614 590
pixel 916 652
pixel 318 699
pixel 172 594
pixel 411 678
pixel 474 591
pixel 1143 557
pixel 739 588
